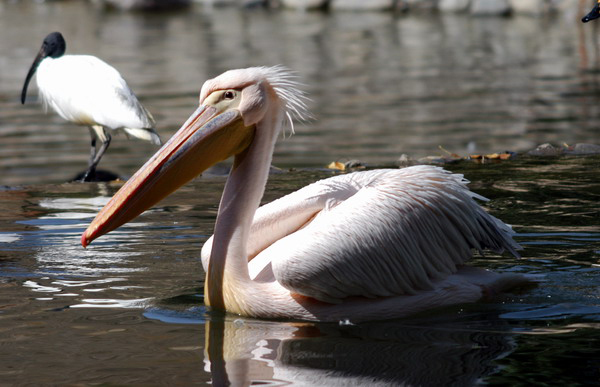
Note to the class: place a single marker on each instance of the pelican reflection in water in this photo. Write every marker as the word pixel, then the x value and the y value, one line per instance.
pixel 361 246
pixel 425 352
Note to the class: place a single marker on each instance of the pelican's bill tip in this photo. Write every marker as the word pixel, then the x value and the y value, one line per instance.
pixel 84 239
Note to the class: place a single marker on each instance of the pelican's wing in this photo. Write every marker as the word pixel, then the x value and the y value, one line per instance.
pixel 389 232
pixel 288 214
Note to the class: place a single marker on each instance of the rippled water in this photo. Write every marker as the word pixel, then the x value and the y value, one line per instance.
pixel 129 309
pixel 381 84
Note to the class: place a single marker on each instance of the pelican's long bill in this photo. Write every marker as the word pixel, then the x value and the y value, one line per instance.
pixel 207 137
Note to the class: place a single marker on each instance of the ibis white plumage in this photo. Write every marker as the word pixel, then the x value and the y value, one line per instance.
pixel 87 91
pixel 367 245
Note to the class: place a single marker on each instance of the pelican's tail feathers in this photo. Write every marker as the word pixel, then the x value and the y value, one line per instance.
pixel 503 238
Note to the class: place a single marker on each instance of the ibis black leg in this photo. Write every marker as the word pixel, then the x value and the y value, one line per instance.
pixel 92 152
pixel 95 156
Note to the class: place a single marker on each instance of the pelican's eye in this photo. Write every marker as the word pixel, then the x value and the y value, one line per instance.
pixel 229 95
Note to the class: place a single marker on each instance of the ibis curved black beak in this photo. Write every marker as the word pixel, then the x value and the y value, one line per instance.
pixel 36 62
pixel 54 46
pixel 594 14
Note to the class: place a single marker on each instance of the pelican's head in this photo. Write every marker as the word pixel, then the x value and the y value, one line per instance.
pixel 54 46
pixel 232 108
pixel 593 14
pixel 258 91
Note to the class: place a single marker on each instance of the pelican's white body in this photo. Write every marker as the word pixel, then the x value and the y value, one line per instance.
pixel 361 246
pixel 87 91
pixel 369 245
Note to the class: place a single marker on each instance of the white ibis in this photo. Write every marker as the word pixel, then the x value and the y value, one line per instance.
pixel 87 91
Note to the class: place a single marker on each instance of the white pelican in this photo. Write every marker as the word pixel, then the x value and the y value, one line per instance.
pixel 87 91
pixel 366 245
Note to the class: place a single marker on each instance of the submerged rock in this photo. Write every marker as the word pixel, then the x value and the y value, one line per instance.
pixel 99 175
pixel 577 149
pixel 404 160
pixel 546 150
pixel 583 149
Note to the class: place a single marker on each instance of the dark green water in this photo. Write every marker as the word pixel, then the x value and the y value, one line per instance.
pixel 129 310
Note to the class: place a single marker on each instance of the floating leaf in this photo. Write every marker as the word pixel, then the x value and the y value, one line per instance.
pixel 337 165
pixel 350 164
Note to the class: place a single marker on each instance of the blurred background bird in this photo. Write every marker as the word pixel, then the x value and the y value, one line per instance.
pixel 87 91
pixel 593 14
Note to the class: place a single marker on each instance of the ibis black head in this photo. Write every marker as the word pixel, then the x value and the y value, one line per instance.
pixel 594 14
pixel 54 46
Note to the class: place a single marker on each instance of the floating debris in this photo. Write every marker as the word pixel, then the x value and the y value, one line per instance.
pixel 404 160
pixel 494 156
pixel 579 149
pixel 451 157
pixel 448 157
pixel 582 149
pixel 348 165
pixel 545 150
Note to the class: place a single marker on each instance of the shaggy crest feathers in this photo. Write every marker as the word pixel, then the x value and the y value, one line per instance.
pixel 282 80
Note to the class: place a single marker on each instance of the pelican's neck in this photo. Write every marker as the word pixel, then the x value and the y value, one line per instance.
pixel 241 197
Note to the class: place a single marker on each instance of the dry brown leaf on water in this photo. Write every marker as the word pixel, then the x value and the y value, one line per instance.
pixel 344 166
pixel 337 165
pixel 492 156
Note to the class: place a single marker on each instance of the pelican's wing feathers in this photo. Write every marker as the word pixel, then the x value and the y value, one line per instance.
pixel 286 215
pixel 373 234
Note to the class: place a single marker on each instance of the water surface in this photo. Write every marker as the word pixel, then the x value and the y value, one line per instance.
pixel 129 309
